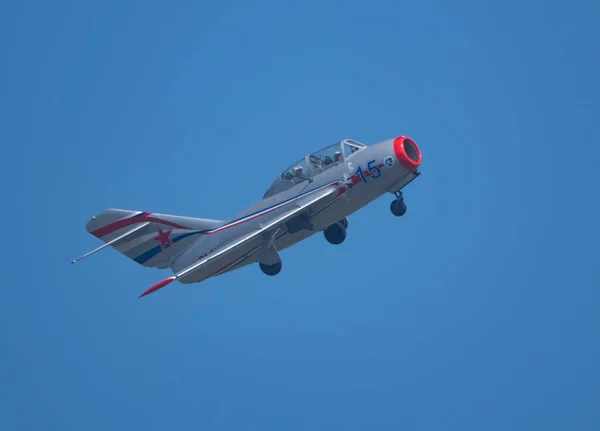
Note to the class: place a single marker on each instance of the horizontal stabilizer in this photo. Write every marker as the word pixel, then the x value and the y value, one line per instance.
pixel 150 239
pixel 114 241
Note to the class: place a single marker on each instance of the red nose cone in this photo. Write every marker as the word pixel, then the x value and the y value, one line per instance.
pixel 407 153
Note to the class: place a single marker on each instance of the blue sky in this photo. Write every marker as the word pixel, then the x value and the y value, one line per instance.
pixel 477 310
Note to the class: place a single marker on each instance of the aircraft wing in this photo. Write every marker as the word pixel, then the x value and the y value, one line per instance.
pixel 270 226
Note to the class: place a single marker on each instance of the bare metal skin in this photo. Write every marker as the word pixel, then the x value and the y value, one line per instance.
pixel 315 194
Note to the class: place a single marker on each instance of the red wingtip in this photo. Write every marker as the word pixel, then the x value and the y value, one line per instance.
pixel 157 286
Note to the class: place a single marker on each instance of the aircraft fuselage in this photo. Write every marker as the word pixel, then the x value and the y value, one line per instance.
pixel 385 167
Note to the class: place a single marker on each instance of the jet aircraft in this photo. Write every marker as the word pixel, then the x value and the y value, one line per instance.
pixel 315 194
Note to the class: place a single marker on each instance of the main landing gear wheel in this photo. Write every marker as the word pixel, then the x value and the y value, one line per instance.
pixel 336 233
pixel 398 206
pixel 271 269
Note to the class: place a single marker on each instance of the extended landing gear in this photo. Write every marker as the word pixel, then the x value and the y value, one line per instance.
pixel 271 269
pixel 344 221
pixel 336 233
pixel 398 206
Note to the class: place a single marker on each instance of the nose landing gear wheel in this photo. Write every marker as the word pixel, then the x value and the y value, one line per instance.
pixel 336 233
pixel 271 269
pixel 398 206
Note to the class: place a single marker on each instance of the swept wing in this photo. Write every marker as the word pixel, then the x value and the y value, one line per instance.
pixel 257 236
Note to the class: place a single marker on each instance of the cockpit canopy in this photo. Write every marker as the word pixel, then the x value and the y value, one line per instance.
pixel 313 164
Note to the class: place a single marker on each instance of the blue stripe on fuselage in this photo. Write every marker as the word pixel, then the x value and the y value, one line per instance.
pixel 147 255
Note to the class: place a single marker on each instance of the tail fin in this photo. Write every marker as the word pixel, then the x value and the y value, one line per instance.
pixel 150 239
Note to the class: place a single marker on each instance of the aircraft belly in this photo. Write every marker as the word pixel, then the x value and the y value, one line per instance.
pixel 288 240
pixel 331 212
pixel 283 242
pixel 233 259
pixel 343 207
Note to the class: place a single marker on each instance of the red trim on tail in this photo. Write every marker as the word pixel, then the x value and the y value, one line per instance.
pixel 112 227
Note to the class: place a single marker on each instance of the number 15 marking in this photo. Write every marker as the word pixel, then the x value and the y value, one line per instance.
pixel 374 171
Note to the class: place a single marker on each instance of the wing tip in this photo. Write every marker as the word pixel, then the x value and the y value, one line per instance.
pixel 157 286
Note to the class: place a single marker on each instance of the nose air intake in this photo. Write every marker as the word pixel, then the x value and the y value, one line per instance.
pixel 407 152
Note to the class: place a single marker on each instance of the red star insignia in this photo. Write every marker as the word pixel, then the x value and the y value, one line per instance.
pixel 163 238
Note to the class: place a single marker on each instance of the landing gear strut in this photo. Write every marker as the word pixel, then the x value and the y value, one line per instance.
pixel 271 269
pixel 344 221
pixel 336 233
pixel 398 206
